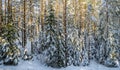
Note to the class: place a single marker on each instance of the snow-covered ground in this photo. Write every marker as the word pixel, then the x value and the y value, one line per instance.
pixel 36 65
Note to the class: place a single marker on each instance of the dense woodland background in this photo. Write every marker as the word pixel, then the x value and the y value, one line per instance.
pixel 60 32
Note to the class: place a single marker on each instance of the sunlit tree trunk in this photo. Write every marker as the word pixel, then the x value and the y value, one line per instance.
pixel 75 11
pixel 45 8
pixel 57 9
pixel 9 9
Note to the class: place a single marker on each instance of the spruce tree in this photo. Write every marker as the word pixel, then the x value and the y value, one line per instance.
pixel 9 50
pixel 108 34
pixel 53 44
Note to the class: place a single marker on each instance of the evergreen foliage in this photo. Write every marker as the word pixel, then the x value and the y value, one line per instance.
pixel 53 44
pixel 108 35
pixel 9 49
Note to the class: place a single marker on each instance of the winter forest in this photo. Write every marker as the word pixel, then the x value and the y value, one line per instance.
pixel 59 34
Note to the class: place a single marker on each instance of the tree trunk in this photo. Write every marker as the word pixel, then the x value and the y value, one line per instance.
pixel 57 8
pixel 79 25
pixel 57 13
pixel 9 9
pixel 24 26
pixel 0 14
pixel 64 23
pixel 106 29
pixel 75 12
pixel 42 14
pixel 31 20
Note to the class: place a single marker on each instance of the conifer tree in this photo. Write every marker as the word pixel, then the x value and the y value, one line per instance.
pixel 108 34
pixel 53 44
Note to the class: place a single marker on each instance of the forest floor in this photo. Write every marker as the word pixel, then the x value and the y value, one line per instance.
pixel 35 64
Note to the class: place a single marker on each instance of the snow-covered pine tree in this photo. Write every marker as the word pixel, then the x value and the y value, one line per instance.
pixel 113 37
pixel 90 20
pixel 53 44
pixel 109 33
pixel 102 36
pixel 73 44
pixel 9 49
